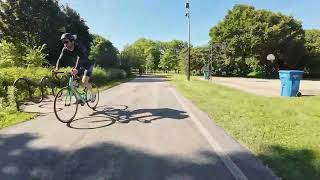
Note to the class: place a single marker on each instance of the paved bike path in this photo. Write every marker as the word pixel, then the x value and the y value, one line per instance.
pixel 142 130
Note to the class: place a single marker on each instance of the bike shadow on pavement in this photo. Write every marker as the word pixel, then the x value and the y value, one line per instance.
pixel 95 121
pixel 142 115
pixel 110 114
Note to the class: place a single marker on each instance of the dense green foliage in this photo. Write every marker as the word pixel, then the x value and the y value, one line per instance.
pixel 103 53
pixel 250 33
pixel 239 45
pixel 33 23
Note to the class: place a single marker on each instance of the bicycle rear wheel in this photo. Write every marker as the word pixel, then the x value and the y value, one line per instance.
pixel 65 105
pixel 47 87
pixel 22 91
pixel 92 97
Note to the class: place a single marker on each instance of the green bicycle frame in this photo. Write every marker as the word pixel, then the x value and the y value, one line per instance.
pixel 72 90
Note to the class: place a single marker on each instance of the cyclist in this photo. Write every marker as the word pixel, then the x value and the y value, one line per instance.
pixel 75 50
pixel 140 71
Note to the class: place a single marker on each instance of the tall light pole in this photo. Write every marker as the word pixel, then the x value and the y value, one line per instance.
pixel 211 60
pixel 188 16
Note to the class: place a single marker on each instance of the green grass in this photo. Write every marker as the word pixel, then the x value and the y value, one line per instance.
pixel 9 118
pixel 283 132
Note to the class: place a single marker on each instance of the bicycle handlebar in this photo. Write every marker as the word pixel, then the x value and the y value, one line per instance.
pixel 57 72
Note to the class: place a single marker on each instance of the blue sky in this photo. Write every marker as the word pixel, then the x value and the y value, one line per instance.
pixel 124 21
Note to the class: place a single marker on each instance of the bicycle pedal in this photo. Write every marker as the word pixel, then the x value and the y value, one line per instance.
pixel 92 98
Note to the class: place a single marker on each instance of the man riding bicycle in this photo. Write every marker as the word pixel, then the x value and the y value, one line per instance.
pixel 83 66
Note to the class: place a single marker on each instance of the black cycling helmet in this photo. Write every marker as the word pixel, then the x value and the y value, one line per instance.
pixel 67 36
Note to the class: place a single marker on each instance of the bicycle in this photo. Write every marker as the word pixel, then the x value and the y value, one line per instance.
pixel 68 98
pixel 25 90
pixel 52 84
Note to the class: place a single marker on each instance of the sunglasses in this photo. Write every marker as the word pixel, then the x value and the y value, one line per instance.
pixel 65 42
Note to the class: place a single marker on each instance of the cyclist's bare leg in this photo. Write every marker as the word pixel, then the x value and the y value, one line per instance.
pixel 86 83
pixel 88 86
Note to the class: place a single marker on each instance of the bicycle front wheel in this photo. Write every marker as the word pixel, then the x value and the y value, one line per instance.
pixel 92 97
pixel 65 105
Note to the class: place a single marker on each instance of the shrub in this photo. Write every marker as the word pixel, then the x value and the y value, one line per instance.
pixel 10 55
pixel 100 76
pixel 35 56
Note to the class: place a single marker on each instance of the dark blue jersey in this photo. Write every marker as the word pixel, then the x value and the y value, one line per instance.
pixel 78 51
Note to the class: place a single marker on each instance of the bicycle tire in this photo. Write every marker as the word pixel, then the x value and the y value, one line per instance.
pixel 22 86
pixel 58 105
pixel 94 104
pixel 46 83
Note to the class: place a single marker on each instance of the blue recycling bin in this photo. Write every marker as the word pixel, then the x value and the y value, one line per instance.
pixel 290 82
pixel 206 74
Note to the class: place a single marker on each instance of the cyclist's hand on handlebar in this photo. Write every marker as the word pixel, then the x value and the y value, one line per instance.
pixel 54 70
pixel 74 72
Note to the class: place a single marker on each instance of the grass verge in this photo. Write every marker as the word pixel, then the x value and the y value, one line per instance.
pixel 9 118
pixel 283 132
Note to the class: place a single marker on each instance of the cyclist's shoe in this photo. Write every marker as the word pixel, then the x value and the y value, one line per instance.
pixel 123 119
pixel 78 101
pixel 93 97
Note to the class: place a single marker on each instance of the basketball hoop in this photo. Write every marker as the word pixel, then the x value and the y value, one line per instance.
pixel 271 57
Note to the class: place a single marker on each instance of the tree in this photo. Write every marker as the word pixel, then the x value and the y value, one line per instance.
pixel 154 51
pixel 148 53
pixel 168 61
pixel 199 59
pixel 134 56
pixel 250 33
pixel 313 42
pixel 174 48
pixel 10 55
pixel 74 24
pixel 103 53
pixel 35 56
pixel 151 65
pixel 124 62
pixel 313 48
pixel 32 23
pixel 138 52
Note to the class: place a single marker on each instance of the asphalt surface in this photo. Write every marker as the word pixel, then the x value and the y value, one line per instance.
pixel 142 130
pixel 267 87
